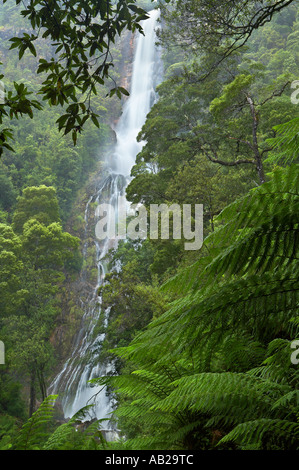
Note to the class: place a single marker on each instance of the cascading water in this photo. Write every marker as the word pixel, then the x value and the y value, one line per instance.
pixel 72 382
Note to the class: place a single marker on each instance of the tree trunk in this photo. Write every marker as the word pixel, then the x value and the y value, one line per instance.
pixel 32 393
pixel 42 384
pixel 257 154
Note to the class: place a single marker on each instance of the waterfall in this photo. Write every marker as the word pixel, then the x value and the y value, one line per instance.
pixel 72 382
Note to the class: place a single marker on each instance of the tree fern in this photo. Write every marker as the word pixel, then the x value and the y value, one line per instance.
pixel 218 361
pixel 41 433
pixel 35 431
pixel 285 143
pixel 253 277
pixel 77 434
pixel 62 438
pixel 265 434
pixel 251 230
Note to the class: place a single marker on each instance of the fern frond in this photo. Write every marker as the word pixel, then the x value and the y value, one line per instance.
pixel 229 306
pixel 255 233
pixel 258 433
pixel 286 142
pixel 257 304
pixel 69 436
pixel 34 432
pixel 62 435
pixel 235 395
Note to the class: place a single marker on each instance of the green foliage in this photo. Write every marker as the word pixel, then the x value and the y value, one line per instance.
pixel 8 429
pixel 18 105
pixel 32 267
pixel 231 25
pixel 11 402
pixel 201 342
pixel 34 432
pixel 286 142
pixel 230 92
pixel 70 436
pixel 41 433
pixel 41 156
pixel 214 370
pixel 264 229
pixel 81 36
pixel 213 362
pixel 7 191
pixel 39 203
pixel 10 268
pixel 131 295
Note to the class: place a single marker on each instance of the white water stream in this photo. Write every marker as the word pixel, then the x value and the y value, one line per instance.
pixel 71 384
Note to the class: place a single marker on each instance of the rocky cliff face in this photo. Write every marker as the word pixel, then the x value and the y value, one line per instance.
pixel 126 47
pixel 68 321
pixel 128 55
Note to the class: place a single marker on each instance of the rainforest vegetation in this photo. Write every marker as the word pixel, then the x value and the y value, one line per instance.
pixel 204 344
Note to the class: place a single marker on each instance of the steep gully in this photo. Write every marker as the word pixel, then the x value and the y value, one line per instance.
pixel 72 381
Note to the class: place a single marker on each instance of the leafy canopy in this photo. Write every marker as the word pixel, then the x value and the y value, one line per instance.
pixel 81 34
